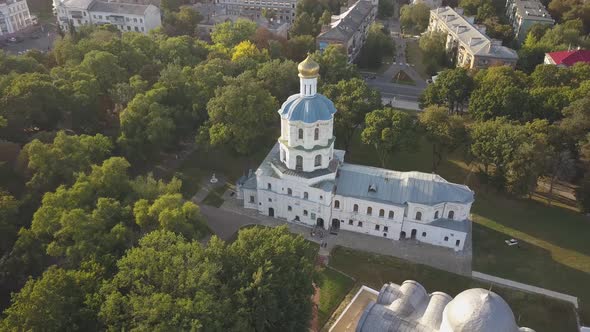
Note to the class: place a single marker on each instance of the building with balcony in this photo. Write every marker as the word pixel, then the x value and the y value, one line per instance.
pixel 350 28
pixel 14 16
pixel 466 43
pixel 281 11
pixel 305 180
pixel 523 14
pixel 137 17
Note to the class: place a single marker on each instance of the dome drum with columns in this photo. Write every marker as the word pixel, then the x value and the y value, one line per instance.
pixel 307 123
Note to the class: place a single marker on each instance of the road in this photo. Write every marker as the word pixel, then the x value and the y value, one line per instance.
pixel 45 36
pixel 382 82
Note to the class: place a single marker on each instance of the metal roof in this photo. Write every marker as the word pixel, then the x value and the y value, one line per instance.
pixel 398 187
pixel 344 26
pixel 80 4
pixel 118 8
pixel 308 109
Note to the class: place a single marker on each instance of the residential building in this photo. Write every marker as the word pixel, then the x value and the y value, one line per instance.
pixel 280 10
pixel 138 17
pixel 409 307
pixel 14 16
pixel 350 28
pixel 567 58
pixel 467 43
pixel 523 14
pixel 433 4
pixel 305 180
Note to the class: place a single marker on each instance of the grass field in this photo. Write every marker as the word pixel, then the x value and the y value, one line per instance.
pixel 333 288
pixel 537 312
pixel 554 251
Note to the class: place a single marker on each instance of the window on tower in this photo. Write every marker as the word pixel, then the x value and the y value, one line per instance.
pixel 316 134
pixel 318 160
pixel 299 163
pixel 300 133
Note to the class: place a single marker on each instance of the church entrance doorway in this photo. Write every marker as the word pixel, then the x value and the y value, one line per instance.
pixel 320 222
pixel 402 235
pixel 335 224
pixel 271 212
pixel 413 234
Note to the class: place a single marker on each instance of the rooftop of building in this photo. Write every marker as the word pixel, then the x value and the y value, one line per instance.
pixel 532 9
pixel 118 8
pixel 409 308
pixel 387 186
pixel 470 36
pixel 569 58
pixel 344 26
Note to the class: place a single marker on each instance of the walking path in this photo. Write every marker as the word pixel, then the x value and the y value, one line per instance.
pixel 525 287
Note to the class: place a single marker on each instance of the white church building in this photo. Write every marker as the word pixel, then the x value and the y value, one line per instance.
pixel 305 180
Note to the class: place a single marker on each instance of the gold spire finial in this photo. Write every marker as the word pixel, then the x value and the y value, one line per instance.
pixel 308 68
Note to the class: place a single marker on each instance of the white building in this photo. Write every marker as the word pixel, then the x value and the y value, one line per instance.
pixel 305 180
pixel 14 16
pixel 125 16
pixel 409 307
pixel 281 10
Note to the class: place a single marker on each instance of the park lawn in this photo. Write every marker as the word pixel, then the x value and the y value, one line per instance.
pixel 553 252
pixel 333 288
pixel 414 56
pixel 202 163
pixel 535 311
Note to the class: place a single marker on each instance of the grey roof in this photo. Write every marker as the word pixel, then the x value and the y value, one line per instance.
pixel 344 26
pixel 398 187
pixel 326 185
pixel 250 183
pixel 470 36
pixel 315 147
pixel 307 109
pixel 82 4
pixel 456 225
pixel 532 10
pixel 118 8
pixel 409 308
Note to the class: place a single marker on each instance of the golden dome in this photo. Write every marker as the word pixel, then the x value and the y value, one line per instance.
pixel 308 68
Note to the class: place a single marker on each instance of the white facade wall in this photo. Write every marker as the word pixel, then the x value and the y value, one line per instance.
pixel 14 16
pixel 437 236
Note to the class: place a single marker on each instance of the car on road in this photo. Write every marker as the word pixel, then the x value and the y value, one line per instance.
pixel 15 39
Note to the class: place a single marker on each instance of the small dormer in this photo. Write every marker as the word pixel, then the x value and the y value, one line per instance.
pixel 372 188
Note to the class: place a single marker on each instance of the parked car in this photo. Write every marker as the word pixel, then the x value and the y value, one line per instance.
pixel 15 39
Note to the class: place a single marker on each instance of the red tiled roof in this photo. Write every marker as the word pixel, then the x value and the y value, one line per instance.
pixel 568 58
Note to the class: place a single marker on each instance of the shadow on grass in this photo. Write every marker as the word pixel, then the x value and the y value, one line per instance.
pixel 333 289
pixel 535 311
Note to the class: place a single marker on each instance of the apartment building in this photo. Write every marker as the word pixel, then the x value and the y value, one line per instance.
pixel 14 16
pixel 523 14
pixel 138 17
pixel 350 28
pixel 279 10
pixel 467 42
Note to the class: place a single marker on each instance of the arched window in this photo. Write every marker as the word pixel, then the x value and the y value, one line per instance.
pixel 369 210
pixel 318 160
pixel 381 213
pixel 336 204
pixel 305 195
pixel 436 215
pixel 316 134
pixel 269 186
pixel 418 215
pixel 299 163
pixel 289 191
pixel 390 214
pixel 300 133
pixel 355 208
pixel 451 214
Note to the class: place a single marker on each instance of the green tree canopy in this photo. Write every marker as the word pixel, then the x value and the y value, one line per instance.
pixel 229 34
pixel 414 18
pixel 452 88
pixel 334 66
pixel 279 78
pixel 445 132
pixel 377 45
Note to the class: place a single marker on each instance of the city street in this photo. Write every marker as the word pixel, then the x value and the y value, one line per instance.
pixel 39 37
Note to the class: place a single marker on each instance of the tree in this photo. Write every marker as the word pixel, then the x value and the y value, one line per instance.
pixel 377 45
pixel 433 48
pixel 501 91
pixel 583 194
pixel 445 132
pixel 57 163
pixel 183 22
pixel 385 9
pixel 560 166
pixel 247 51
pixel 414 18
pixel 60 300
pixel 8 221
pixel 326 18
pixel 279 78
pixel 334 65
pixel 241 115
pixel 576 119
pixel 304 24
pixel 229 34
pixel 104 66
pixel 182 51
pixel 470 6
pixel 389 131
pixel 299 46
pixel 452 88
pixel 169 212
pixel 563 10
pixel 353 100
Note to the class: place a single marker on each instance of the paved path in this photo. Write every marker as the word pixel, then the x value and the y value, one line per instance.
pixel 525 287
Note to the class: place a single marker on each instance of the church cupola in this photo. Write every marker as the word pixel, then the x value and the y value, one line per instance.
pixel 308 77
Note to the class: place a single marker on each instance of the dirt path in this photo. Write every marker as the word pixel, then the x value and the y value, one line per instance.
pixel 315 322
